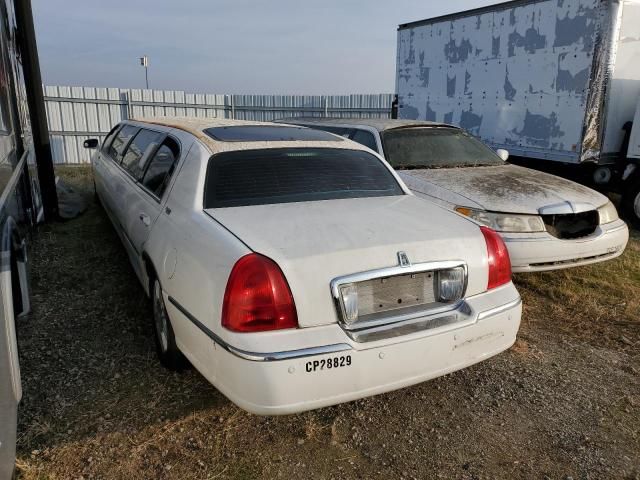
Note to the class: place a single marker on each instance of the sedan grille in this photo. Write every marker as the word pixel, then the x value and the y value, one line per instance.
pixel 572 225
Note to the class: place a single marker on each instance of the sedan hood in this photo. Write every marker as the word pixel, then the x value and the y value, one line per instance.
pixel 504 188
pixel 315 242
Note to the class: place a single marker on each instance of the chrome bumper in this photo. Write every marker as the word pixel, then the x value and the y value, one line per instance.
pixel 461 316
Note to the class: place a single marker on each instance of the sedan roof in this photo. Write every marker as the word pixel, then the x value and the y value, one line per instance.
pixel 221 134
pixel 380 124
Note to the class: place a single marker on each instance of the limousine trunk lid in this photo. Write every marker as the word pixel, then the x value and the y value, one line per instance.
pixel 317 242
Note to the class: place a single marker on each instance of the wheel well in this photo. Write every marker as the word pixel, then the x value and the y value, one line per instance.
pixel 15 246
pixel 150 272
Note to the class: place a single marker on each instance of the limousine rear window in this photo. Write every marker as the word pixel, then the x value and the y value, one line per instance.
pixel 269 133
pixel 279 175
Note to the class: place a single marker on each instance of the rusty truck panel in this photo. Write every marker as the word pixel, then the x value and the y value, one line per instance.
pixel 533 76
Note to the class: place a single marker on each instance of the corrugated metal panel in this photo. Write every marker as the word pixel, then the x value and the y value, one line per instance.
pixel 78 113
pixel 518 75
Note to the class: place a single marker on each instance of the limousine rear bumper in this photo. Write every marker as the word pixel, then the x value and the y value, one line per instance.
pixel 268 385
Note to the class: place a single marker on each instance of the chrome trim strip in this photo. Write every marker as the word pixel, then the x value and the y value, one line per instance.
pixel 502 308
pixel 395 271
pixel 289 354
pixel 403 317
pixel 439 323
pixel 261 357
pixel 462 316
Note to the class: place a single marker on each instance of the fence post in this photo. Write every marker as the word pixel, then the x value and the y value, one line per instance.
pixel 127 97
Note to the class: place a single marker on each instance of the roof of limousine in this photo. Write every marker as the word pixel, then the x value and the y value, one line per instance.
pixel 197 127
pixel 380 124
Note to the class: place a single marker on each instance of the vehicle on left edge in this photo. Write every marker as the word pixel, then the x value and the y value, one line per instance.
pixel 20 210
pixel 293 268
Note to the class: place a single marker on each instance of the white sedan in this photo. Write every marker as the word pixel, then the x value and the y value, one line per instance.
pixel 546 221
pixel 293 268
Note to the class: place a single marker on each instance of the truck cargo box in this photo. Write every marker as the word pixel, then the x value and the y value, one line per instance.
pixel 547 79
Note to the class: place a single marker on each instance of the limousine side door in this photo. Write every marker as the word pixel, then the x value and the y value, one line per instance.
pixel 148 202
pixel 114 184
pixel 98 163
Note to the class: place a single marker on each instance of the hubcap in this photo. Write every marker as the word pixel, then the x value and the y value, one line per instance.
pixel 160 318
pixel 636 205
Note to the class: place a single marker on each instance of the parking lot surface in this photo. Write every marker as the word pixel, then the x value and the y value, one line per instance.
pixel 564 402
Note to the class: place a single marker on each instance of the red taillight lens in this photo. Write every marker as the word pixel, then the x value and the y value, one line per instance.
pixel 258 297
pixel 499 262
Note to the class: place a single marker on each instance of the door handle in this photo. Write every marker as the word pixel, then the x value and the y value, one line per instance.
pixel 144 218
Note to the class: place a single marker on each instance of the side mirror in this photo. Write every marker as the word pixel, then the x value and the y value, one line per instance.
pixel 91 143
pixel 503 154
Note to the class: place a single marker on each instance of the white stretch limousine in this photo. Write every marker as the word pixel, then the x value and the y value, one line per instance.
pixel 293 268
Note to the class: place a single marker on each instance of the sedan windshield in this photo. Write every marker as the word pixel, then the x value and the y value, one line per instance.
pixel 428 147
pixel 285 175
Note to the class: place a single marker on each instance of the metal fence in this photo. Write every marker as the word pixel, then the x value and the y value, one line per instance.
pixel 78 113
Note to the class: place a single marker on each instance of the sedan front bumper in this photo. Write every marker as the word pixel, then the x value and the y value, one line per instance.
pixel 266 385
pixel 536 252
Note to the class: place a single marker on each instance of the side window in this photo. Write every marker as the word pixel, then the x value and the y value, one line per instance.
pixel 342 131
pixel 161 167
pixel 139 150
pixel 116 149
pixel 365 138
pixel 109 139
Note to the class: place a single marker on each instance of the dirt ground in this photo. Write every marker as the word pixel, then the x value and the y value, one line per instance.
pixel 563 403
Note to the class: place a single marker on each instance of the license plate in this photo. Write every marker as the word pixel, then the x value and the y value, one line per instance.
pixel 330 363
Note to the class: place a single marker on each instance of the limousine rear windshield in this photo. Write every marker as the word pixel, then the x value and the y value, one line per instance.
pixel 262 177
pixel 269 133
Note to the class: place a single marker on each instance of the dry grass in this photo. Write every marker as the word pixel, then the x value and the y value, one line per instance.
pixel 599 303
pixel 97 404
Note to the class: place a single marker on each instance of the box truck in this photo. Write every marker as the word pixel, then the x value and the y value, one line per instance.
pixel 552 81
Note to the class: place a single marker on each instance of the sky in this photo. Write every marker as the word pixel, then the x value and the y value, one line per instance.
pixel 306 47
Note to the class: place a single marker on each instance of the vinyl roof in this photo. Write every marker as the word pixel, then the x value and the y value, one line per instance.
pixel 269 133
pixel 222 134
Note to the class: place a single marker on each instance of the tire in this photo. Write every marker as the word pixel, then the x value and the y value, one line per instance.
pixel 631 201
pixel 16 294
pixel 170 356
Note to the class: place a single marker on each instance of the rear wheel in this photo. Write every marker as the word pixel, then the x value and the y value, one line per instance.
pixel 631 201
pixel 168 352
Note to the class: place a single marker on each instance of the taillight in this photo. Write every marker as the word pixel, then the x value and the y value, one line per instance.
pixel 258 297
pixel 499 262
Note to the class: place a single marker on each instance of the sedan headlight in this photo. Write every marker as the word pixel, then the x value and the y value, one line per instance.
pixel 505 222
pixel 608 213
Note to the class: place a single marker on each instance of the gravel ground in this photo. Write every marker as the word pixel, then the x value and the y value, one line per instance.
pixel 562 403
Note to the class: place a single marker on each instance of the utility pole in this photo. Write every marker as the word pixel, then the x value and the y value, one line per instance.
pixel 26 38
pixel 144 61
